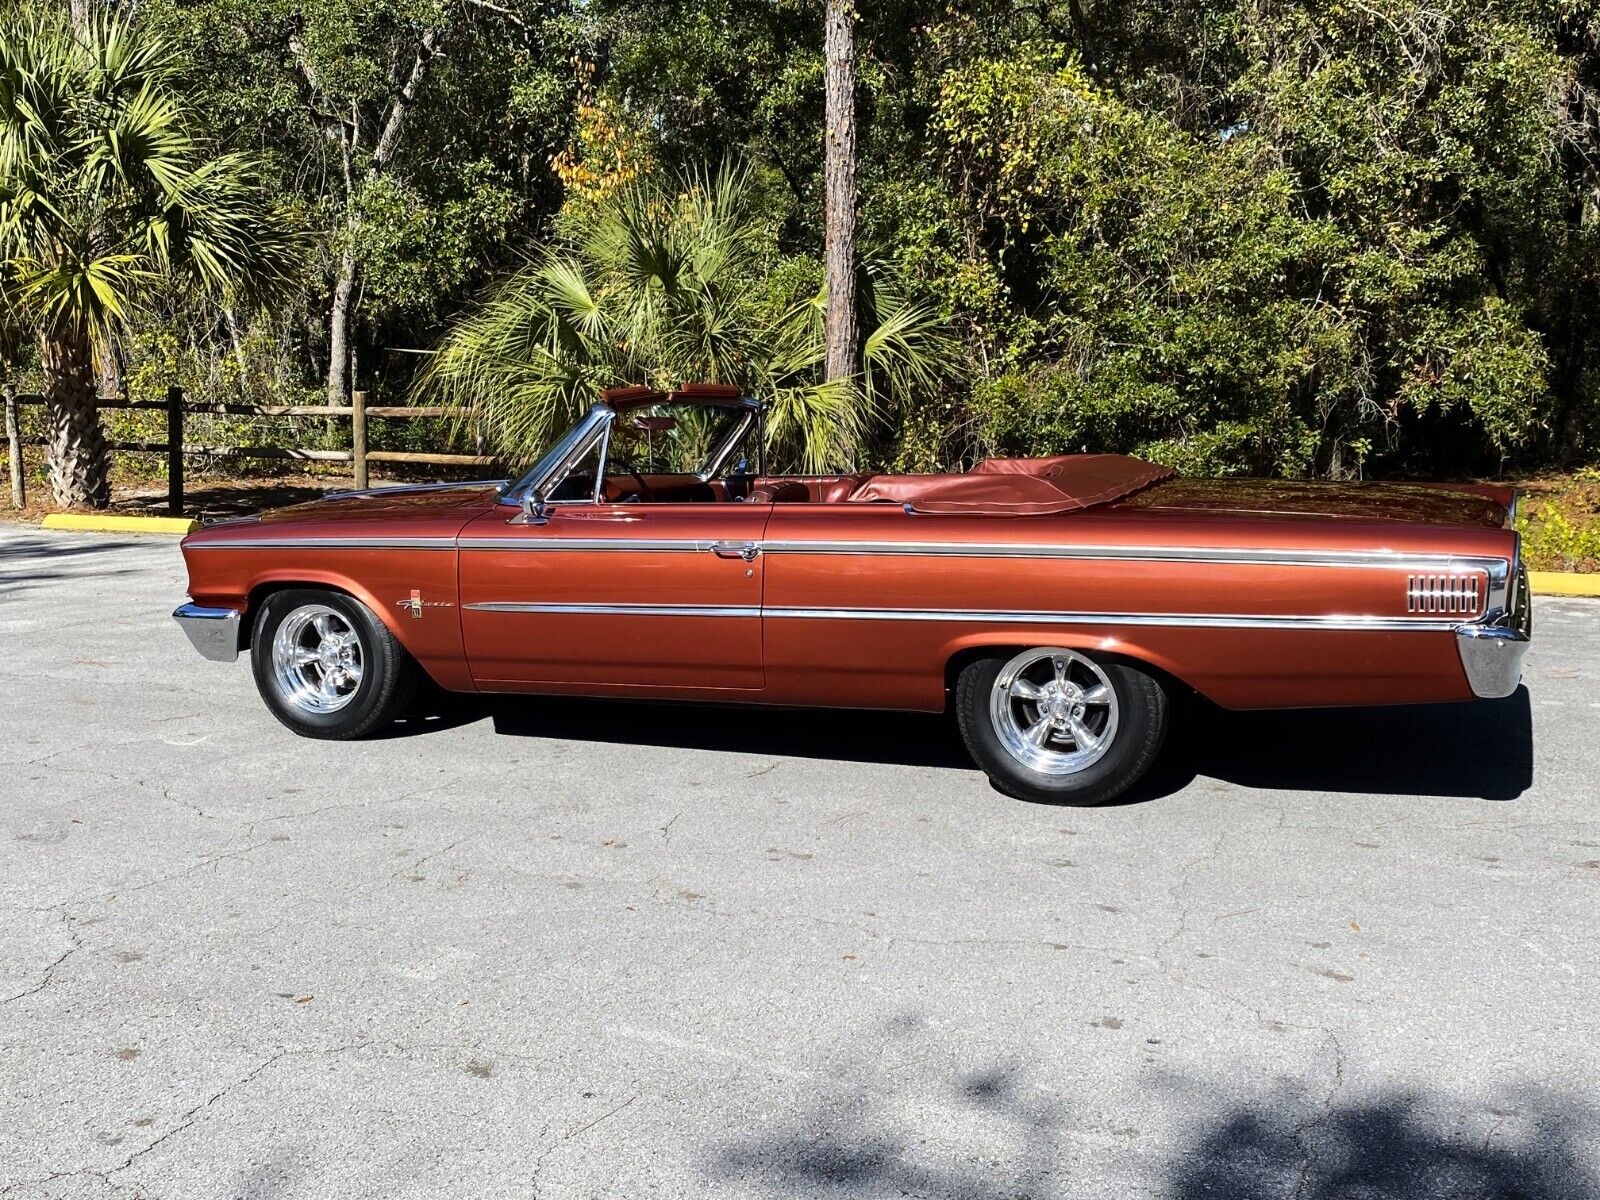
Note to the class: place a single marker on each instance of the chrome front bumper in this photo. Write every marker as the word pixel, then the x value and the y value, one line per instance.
pixel 1492 650
pixel 214 631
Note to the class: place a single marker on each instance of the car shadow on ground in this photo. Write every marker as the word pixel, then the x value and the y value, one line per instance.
pixel 1482 750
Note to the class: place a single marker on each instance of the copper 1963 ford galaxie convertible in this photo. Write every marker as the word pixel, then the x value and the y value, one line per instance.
pixel 1056 603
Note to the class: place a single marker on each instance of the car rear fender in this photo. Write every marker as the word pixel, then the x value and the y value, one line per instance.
pixel 963 650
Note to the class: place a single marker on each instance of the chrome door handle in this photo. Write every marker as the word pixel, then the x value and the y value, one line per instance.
pixel 744 550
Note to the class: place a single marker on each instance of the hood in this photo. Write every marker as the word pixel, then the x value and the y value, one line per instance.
pixel 425 511
pixel 1406 503
pixel 418 501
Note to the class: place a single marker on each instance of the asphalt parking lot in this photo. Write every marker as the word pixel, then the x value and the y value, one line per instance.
pixel 555 949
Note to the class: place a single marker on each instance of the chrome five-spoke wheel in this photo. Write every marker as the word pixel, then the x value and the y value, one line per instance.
pixel 1061 726
pixel 326 665
pixel 1053 710
pixel 317 660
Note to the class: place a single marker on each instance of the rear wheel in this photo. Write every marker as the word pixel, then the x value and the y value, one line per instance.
pixel 1058 726
pixel 326 666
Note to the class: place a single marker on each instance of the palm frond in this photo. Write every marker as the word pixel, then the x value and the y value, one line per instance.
pixel 107 191
pixel 665 280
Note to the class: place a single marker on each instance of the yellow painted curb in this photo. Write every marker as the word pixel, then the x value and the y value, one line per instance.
pixel 107 523
pixel 1564 583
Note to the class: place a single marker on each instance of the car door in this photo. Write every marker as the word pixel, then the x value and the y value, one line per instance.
pixel 615 597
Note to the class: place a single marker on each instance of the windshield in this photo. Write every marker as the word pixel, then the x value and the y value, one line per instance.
pixel 665 439
pixel 670 439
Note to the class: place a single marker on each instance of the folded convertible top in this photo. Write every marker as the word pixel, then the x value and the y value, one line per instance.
pixel 1020 486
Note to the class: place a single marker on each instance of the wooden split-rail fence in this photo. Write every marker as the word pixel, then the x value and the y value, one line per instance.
pixel 177 407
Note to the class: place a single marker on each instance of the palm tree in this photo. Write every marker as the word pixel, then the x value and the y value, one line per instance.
pixel 669 279
pixel 839 179
pixel 108 194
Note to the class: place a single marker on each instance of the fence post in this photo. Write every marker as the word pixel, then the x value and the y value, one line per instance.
pixel 358 437
pixel 175 450
pixel 19 492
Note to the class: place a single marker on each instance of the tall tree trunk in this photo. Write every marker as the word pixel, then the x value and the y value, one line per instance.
pixel 339 320
pixel 109 378
pixel 231 320
pixel 80 15
pixel 842 336
pixel 341 313
pixel 79 462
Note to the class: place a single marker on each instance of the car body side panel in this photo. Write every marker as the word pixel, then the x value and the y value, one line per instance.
pixel 380 551
pixel 902 664
pixel 825 567
pixel 865 605
pixel 624 596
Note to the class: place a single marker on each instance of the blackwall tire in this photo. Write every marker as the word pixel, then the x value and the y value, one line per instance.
pixel 1103 723
pixel 326 666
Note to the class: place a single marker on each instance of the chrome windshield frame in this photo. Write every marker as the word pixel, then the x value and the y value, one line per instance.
pixel 561 457
pixel 720 453
pixel 595 426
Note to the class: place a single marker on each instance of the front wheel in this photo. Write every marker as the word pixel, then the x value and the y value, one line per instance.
pixel 326 666
pixel 1057 726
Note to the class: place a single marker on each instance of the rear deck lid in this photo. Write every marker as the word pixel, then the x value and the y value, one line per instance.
pixel 1406 503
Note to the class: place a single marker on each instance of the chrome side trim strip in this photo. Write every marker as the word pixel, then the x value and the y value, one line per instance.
pixel 401 489
pixel 325 543
pixel 1332 621
pixel 621 610
pixel 547 543
pixel 1209 554
pixel 1185 620
pixel 1392 559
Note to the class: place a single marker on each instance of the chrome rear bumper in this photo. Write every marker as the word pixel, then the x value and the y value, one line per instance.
pixel 213 631
pixel 1492 650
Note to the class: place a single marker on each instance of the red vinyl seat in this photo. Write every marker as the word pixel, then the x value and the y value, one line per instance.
pixel 779 491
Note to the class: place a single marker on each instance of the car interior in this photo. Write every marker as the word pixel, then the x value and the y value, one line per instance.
pixel 678 452
pixel 690 453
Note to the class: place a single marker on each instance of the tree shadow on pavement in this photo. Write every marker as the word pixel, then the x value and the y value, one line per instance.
pixel 1393 1148
pixel 32 546
pixel 27 561
pixel 992 1138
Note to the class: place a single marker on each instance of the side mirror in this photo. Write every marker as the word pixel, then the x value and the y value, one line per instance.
pixel 535 509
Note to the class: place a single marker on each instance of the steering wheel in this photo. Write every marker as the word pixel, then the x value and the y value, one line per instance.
pixel 644 488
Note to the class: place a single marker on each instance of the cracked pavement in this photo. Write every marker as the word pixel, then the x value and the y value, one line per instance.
pixel 539 948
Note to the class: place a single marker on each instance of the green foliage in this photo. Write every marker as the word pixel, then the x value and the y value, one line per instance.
pixel 1275 296
pixel 670 279
pixel 1160 264
pixel 1560 524
pixel 1299 239
pixel 418 253
pixel 316 85
pixel 108 194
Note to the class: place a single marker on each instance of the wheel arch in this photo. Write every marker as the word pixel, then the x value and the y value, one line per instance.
pixel 1005 643
pixel 262 589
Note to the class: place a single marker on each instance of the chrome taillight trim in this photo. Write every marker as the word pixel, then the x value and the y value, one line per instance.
pixel 1460 594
